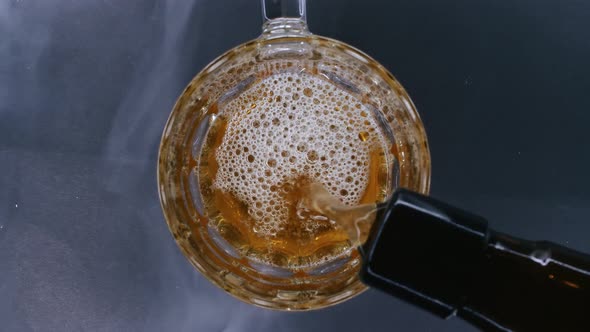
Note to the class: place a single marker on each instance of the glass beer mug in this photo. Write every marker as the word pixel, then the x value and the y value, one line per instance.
pixel 259 122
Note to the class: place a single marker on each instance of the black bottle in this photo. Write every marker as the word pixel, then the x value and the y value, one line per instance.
pixel 447 261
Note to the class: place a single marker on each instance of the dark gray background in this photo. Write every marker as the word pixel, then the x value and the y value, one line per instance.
pixel 502 86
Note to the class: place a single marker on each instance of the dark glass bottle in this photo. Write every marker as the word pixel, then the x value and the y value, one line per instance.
pixel 447 261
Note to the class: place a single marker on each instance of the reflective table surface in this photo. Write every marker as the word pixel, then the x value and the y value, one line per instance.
pixel 86 87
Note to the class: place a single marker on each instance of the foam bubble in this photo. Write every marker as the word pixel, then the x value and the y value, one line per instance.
pixel 291 125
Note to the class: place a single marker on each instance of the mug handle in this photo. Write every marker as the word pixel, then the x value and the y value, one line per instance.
pixel 284 18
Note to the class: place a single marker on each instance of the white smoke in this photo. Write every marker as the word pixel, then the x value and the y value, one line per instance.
pixel 191 303
pixel 83 242
pixel 136 125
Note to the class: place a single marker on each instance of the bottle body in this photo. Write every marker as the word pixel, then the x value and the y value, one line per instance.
pixel 529 286
pixel 447 261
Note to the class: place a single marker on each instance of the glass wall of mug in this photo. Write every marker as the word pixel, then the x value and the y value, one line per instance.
pixel 255 125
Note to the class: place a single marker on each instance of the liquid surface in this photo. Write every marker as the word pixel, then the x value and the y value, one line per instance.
pixel 267 146
pixel 356 220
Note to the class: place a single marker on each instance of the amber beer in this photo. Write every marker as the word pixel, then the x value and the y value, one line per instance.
pixel 284 131
pixel 249 136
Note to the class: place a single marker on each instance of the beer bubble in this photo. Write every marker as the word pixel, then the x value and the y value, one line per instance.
pixel 302 127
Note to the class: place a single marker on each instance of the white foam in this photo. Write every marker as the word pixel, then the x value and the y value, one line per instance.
pixel 290 125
